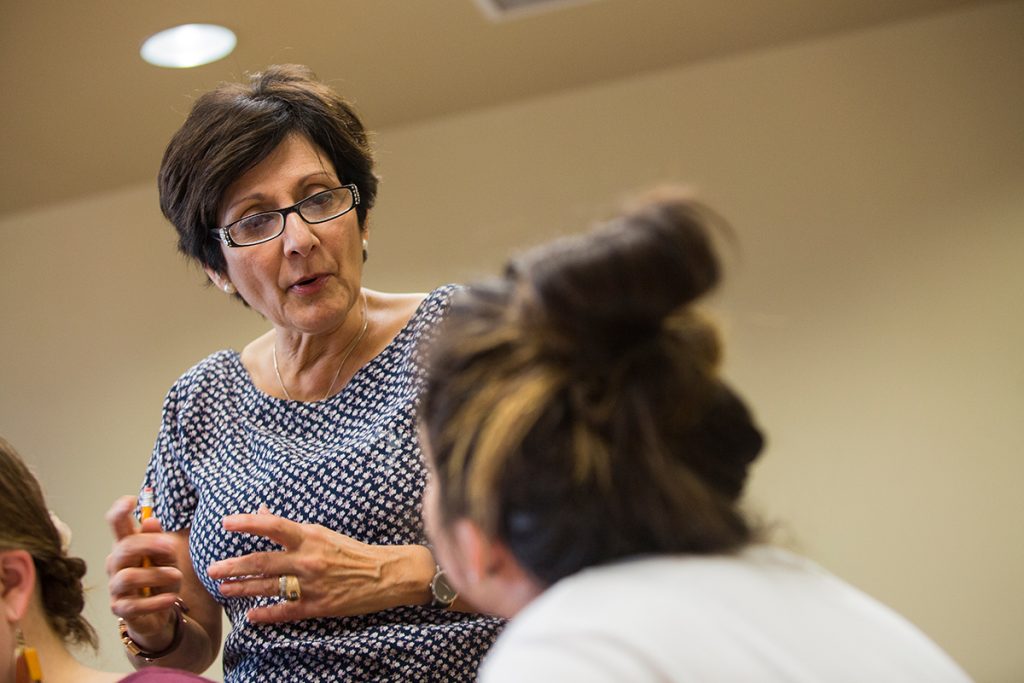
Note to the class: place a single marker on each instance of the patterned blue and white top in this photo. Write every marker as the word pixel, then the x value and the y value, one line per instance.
pixel 351 463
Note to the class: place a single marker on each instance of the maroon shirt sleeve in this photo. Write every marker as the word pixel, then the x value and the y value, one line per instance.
pixel 159 674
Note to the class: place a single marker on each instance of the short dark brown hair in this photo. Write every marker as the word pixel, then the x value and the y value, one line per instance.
pixel 234 127
pixel 25 524
pixel 574 409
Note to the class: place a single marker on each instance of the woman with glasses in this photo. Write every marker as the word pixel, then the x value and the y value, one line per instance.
pixel 41 592
pixel 587 464
pixel 287 477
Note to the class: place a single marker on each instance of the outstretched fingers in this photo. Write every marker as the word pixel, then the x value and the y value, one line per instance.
pixel 282 531
pixel 251 586
pixel 254 566
pixel 283 611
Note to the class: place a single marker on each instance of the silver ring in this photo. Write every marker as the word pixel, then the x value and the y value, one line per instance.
pixel 288 587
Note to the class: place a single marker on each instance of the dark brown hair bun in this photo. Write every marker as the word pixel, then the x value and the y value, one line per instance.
pixel 625 277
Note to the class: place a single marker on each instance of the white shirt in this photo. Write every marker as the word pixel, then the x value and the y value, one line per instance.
pixel 763 615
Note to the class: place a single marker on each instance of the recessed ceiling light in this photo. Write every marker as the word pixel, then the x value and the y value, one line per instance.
pixel 500 10
pixel 188 45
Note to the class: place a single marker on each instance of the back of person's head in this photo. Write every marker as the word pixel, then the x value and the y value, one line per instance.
pixel 235 126
pixel 26 524
pixel 574 408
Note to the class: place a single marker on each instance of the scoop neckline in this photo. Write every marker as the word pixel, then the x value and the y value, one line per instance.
pixel 407 329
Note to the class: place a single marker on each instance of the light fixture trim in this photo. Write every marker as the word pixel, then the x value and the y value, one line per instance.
pixel 188 45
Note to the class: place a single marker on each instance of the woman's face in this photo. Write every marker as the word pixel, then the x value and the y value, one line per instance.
pixel 309 278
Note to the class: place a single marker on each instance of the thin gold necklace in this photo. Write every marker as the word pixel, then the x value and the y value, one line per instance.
pixel 348 352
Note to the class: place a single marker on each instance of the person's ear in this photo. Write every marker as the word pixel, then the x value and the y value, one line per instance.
pixel 473 546
pixel 495 581
pixel 221 281
pixel 17 582
pixel 484 557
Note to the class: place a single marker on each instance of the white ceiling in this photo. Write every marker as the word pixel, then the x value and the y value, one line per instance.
pixel 83 114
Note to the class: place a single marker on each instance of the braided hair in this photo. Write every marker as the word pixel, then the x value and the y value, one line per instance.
pixel 26 524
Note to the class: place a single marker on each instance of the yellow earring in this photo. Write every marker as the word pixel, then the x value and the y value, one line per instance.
pixel 26 661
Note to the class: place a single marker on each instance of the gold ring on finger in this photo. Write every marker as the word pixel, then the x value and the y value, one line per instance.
pixel 288 587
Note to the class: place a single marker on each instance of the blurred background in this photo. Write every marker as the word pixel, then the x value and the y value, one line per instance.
pixel 869 154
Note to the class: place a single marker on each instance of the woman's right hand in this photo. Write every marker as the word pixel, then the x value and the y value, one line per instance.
pixel 150 618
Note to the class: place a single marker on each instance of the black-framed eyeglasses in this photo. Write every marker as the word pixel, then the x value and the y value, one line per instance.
pixel 267 225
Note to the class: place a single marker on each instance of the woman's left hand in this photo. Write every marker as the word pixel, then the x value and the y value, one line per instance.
pixel 338 575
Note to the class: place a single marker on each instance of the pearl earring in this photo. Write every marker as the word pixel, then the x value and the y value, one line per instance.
pixel 229 288
pixel 366 250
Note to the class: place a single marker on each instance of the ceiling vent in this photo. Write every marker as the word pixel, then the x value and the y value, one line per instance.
pixel 500 10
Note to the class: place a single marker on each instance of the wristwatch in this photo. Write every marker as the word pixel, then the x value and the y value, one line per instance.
pixel 441 591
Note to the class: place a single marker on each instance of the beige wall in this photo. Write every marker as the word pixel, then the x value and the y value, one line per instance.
pixel 874 316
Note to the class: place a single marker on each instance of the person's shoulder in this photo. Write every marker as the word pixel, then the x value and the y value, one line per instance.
pixel 217 362
pixel 160 674
pixel 602 597
pixel 218 368
pixel 419 309
pixel 431 312
pixel 436 299
pixel 439 301
pixel 400 306
pixel 446 292
pixel 694 614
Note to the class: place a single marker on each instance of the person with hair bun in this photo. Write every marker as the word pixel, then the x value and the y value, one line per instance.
pixel 587 464
pixel 41 594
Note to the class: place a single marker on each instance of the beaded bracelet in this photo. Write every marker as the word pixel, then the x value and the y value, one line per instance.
pixel 180 610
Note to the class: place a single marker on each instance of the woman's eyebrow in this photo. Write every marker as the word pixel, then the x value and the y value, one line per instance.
pixel 259 196
pixel 318 174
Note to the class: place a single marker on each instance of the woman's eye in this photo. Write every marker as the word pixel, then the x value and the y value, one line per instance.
pixel 256 224
pixel 322 199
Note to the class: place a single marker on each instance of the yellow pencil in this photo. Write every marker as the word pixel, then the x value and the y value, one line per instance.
pixel 146 511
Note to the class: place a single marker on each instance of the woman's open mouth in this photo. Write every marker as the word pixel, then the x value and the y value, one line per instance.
pixel 309 284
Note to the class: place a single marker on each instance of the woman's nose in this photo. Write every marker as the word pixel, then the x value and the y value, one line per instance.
pixel 298 237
